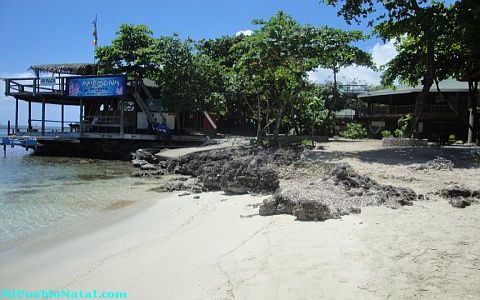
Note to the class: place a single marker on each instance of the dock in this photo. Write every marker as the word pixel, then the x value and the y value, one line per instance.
pixel 116 114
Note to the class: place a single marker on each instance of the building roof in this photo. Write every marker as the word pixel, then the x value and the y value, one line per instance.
pixel 75 68
pixel 474 77
pixel 449 85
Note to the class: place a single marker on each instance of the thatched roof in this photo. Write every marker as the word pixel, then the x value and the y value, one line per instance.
pixel 76 69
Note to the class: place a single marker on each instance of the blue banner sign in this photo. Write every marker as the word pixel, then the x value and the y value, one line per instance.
pixel 96 86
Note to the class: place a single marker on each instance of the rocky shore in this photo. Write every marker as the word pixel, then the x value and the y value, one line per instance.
pixel 304 185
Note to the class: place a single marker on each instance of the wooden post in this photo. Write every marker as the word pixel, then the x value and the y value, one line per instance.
pixel 471 122
pixel 16 116
pixel 29 115
pixel 43 116
pixel 63 117
pixel 8 127
pixel 121 118
pixel 34 87
pixel 81 116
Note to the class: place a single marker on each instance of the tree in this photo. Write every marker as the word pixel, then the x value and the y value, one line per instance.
pixel 308 114
pixel 464 49
pixel 188 81
pixel 131 52
pixel 276 59
pixel 417 24
pixel 338 52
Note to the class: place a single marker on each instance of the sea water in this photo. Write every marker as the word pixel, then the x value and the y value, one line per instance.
pixel 39 195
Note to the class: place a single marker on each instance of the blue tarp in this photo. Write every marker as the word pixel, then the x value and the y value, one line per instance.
pixel 15 141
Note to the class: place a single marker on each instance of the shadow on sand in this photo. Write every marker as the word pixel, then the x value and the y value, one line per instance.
pixel 460 156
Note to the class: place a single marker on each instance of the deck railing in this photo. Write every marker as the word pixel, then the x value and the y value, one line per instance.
pixel 405 109
pixel 39 85
pixel 353 88
pixel 34 86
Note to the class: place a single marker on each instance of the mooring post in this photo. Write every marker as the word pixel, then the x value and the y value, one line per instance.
pixel 8 127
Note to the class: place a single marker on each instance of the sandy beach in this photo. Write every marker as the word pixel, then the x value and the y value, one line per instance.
pixel 218 247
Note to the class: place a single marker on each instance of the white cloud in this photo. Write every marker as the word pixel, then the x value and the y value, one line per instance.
pixel 381 54
pixel 244 32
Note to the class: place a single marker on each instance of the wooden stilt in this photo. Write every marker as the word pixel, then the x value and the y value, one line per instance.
pixel 16 115
pixel 43 116
pixel 29 116
pixel 121 118
pixel 81 116
pixel 63 118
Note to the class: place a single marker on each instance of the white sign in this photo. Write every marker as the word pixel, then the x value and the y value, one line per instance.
pixel 47 81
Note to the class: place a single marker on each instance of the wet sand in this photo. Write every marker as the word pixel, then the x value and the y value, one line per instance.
pixel 216 247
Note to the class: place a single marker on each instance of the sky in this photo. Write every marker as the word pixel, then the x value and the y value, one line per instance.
pixel 53 31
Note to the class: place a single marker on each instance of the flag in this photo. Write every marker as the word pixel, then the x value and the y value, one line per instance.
pixel 95 38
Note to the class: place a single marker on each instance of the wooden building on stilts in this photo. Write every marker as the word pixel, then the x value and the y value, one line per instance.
pixel 116 114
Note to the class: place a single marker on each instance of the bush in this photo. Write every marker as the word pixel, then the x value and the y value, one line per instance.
pixel 399 133
pixel 476 155
pixel 452 138
pixel 402 125
pixel 386 134
pixel 354 131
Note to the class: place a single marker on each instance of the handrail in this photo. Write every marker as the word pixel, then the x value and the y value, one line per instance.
pixel 53 121
pixel 429 108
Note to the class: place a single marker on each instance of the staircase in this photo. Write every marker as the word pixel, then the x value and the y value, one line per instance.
pixel 144 108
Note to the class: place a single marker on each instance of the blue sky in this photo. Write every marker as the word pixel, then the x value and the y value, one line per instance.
pixel 53 31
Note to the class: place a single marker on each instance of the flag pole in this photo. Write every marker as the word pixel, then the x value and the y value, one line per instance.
pixel 95 38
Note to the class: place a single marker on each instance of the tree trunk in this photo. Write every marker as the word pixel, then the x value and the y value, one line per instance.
pixel 473 116
pixel 278 122
pixel 427 82
pixel 259 123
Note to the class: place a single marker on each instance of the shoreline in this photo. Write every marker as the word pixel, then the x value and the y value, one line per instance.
pixel 81 226
pixel 180 247
pixel 218 246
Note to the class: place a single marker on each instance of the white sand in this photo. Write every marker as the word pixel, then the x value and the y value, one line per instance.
pixel 181 248
pixel 216 247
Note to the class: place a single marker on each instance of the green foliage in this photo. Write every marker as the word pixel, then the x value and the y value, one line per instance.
pixel 386 134
pixel 476 155
pixel 452 138
pixel 402 125
pixel 261 78
pixel 354 131
pixel 131 52
pixel 308 143
pixel 338 51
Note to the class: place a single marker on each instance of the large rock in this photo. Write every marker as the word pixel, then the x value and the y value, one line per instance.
pixel 235 171
pixel 342 191
pixel 146 155
pixel 460 202
pixel 137 163
pixel 459 196
pixel 148 167
pixel 455 191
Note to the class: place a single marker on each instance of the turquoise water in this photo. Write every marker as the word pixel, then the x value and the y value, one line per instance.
pixel 43 194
